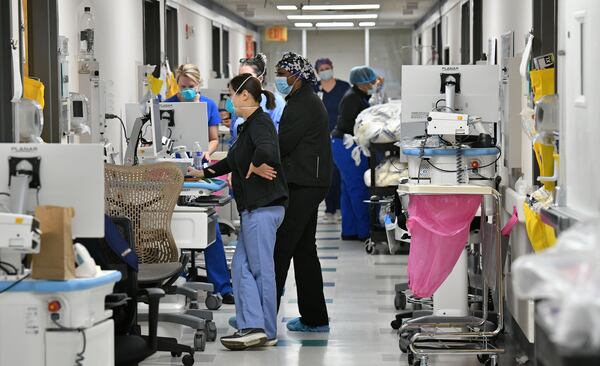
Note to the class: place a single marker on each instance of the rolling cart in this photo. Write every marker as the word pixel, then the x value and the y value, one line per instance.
pixel 381 197
pixel 472 334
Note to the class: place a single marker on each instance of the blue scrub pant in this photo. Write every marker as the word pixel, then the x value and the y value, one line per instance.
pixel 253 270
pixel 216 266
pixel 355 212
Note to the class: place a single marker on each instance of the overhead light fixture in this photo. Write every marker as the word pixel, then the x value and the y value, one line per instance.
pixel 366 24
pixel 303 25
pixel 342 7
pixel 287 7
pixel 335 24
pixel 332 17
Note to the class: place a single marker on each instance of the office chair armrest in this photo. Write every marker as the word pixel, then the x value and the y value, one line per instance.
pixel 151 296
pixel 112 301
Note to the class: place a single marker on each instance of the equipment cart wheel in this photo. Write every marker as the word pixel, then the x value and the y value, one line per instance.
pixel 369 246
pixel 411 357
pixel 213 302
pixel 200 341
pixel 400 301
pixel 483 358
pixel 211 331
pixel 187 360
pixel 492 360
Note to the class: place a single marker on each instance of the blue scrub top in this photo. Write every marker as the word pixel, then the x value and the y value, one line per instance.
pixel 214 118
pixel 274 113
pixel 332 100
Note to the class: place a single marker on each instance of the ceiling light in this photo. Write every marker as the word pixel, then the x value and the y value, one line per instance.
pixel 287 7
pixel 342 7
pixel 332 17
pixel 303 25
pixel 335 24
pixel 366 24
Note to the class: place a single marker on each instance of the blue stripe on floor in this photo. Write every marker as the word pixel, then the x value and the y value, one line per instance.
pixel 325 257
pixel 326 269
pixel 328 231
pixel 295 301
pixel 303 342
pixel 328 239
pixel 328 284
pixel 327 248
pixel 286 319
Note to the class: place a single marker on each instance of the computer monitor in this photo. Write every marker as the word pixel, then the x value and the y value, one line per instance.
pixel 157 130
pixel 185 123
pixel 69 175
pixel 477 91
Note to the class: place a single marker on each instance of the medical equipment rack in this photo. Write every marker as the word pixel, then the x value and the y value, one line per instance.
pixel 463 335
pixel 385 196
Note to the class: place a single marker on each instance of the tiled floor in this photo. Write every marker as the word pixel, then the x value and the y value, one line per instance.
pixel 359 288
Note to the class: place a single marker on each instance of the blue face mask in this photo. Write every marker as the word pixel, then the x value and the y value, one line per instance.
pixel 189 94
pixel 229 107
pixel 282 85
pixel 326 74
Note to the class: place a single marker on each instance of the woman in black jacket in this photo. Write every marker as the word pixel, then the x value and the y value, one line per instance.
pixel 306 157
pixel 261 197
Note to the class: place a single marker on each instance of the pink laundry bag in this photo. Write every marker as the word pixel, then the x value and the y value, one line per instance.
pixel 439 228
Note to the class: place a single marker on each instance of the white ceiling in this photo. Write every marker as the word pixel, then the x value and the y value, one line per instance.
pixel 393 13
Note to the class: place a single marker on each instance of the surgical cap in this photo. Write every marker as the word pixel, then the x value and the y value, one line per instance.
pixel 298 66
pixel 362 75
pixel 323 61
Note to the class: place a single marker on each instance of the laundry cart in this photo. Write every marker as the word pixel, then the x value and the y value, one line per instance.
pixel 454 327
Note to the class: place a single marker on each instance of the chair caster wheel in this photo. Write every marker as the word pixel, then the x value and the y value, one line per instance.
pixel 369 246
pixel 187 360
pixel 199 342
pixel 213 302
pixel 400 301
pixel 211 331
pixel 175 354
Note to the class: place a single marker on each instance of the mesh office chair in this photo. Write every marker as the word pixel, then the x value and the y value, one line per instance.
pixel 147 195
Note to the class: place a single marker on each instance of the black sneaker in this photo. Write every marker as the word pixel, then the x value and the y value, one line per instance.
pixel 245 338
pixel 228 299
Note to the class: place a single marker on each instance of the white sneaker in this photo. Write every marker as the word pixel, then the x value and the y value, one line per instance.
pixel 338 216
pixel 328 219
pixel 270 343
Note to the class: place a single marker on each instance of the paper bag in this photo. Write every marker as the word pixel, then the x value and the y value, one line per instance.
pixel 56 260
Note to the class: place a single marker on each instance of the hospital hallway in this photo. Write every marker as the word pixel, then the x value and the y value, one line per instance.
pixel 359 291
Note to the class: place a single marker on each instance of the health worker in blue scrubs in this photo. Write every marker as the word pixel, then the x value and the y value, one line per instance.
pixel 256 66
pixel 355 212
pixel 331 90
pixel 188 79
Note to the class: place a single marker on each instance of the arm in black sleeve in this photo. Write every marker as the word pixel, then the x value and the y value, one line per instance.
pixel 218 169
pixel 265 144
pixel 349 109
pixel 292 127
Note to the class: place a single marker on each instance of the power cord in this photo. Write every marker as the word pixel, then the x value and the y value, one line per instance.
pixel 114 116
pixel 14 283
pixel 4 265
pixel 80 356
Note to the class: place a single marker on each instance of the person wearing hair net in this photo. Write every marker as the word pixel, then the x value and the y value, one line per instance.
pixel 257 67
pixel 331 90
pixel 355 212
pixel 306 158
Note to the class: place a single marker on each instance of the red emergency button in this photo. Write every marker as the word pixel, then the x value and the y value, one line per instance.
pixel 54 306
pixel 474 164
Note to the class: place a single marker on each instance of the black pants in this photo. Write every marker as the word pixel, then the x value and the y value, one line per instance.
pixel 332 201
pixel 296 239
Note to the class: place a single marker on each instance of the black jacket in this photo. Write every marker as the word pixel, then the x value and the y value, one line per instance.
pixel 256 143
pixel 304 139
pixel 354 102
